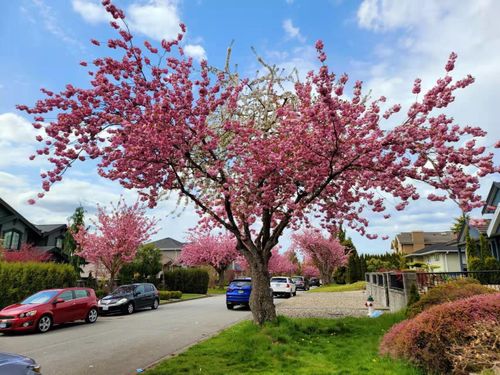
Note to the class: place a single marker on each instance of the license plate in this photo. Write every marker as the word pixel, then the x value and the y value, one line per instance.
pixel 241 291
pixel 105 308
pixel 3 325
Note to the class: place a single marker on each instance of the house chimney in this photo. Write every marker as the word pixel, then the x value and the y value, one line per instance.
pixel 417 238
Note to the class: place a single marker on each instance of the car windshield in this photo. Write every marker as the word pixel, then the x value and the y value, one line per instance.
pixel 297 278
pixel 240 283
pixel 124 289
pixel 278 280
pixel 40 297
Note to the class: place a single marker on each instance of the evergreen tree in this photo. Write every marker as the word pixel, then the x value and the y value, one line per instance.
pixel 484 248
pixel 76 221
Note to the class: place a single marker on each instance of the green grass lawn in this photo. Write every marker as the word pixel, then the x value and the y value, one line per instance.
pixel 186 296
pixel 358 285
pixel 292 346
pixel 216 291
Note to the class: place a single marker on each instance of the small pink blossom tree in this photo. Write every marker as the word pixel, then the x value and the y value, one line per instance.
pixel 326 254
pixel 309 270
pixel 118 234
pixel 217 251
pixel 256 159
pixel 281 264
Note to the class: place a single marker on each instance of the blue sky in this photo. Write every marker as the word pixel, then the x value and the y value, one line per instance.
pixel 384 43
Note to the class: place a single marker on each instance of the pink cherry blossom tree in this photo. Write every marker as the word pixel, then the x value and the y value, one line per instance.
pixel 217 251
pixel 256 156
pixel 326 254
pixel 279 264
pixel 309 270
pixel 117 235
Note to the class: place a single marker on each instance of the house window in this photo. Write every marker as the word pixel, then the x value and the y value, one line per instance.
pixel 12 240
pixel 59 242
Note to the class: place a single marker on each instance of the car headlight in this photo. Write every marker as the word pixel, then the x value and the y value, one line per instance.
pixel 123 300
pixel 27 314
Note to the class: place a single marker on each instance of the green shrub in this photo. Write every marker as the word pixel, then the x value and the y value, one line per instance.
pixel 437 337
pixel 170 294
pixel 413 295
pixel 20 280
pixel 187 280
pixel 100 293
pixel 450 291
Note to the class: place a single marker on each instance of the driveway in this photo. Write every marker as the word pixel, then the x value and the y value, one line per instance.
pixel 117 345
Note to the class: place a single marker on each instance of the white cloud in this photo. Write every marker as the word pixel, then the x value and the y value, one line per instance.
pixel 92 12
pixel 17 141
pixel 195 51
pixel 158 19
pixel 415 39
pixel 52 23
pixel 292 31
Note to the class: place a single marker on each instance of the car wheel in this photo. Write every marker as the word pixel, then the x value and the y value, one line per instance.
pixel 130 308
pixel 289 295
pixel 156 303
pixel 294 293
pixel 92 315
pixel 44 324
pixel 229 306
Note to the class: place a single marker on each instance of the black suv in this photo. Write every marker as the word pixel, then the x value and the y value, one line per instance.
pixel 128 298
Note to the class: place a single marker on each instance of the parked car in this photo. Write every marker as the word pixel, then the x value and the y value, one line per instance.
pixel 301 282
pixel 238 292
pixel 15 364
pixel 48 307
pixel 314 281
pixel 283 286
pixel 128 298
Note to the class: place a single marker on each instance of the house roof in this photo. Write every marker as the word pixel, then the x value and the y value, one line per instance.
pixel 19 216
pixel 405 238
pixel 449 247
pixel 168 243
pixel 47 228
pixel 490 200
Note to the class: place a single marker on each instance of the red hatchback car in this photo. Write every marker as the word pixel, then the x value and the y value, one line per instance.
pixel 48 307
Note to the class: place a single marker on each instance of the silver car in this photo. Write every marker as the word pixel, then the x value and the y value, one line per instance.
pixel 14 364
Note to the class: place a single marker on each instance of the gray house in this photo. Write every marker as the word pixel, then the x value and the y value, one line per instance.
pixel 170 251
pixel 490 227
pixel 16 230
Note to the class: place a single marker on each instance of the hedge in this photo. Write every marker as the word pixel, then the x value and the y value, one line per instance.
pixel 170 294
pixel 20 280
pixel 187 280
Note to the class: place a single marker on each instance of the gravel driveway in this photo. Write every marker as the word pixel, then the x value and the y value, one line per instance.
pixel 324 305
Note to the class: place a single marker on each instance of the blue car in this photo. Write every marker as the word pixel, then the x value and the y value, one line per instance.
pixel 238 292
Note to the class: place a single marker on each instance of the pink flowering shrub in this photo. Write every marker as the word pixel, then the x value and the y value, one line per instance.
pixel 426 339
pixel 450 291
pixel 27 253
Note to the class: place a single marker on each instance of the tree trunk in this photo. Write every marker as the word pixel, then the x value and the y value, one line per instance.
pixel 326 276
pixel 261 300
pixel 220 281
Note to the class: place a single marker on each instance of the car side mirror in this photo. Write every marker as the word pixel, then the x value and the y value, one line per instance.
pixel 59 300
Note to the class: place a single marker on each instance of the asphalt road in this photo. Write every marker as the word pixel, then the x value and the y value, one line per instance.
pixel 121 344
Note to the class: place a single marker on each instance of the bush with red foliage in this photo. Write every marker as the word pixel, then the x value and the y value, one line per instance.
pixel 426 339
pixel 27 253
pixel 448 292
